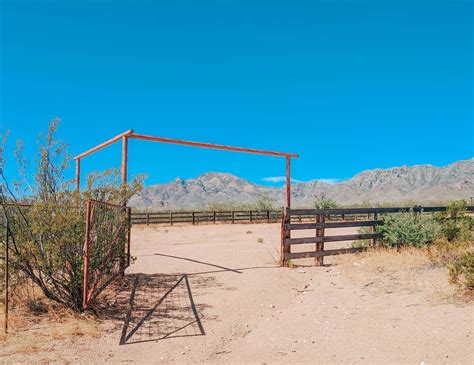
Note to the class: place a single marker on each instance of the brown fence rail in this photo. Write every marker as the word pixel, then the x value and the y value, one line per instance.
pixel 343 215
pixel 196 217
pixel 322 219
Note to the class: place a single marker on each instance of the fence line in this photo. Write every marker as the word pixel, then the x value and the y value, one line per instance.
pixel 269 216
pixel 196 217
pixel 335 218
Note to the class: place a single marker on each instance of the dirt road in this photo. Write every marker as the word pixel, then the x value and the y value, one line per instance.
pixel 234 305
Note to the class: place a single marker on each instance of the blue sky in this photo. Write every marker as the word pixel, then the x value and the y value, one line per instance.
pixel 349 85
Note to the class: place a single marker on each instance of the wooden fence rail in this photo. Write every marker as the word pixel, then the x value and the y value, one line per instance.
pixel 196 217
pixel 334 218
pixel 323 219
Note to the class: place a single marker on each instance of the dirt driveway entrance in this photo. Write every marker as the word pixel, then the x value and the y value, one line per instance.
pixel 215 294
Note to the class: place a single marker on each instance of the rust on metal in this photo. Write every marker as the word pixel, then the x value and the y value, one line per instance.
pixel 124 160
pixel 105 144
pixel 6 276
pixel 85 284
pixel 288 181
pixel 210 145
pixel 102 266
pixel 78 174
pixel 130 134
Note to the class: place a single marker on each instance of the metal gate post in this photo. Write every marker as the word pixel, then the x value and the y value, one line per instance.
pixel 129 213
pixel 85 284
pixel 6 275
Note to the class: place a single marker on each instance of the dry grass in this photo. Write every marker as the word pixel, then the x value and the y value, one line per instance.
pixel 34 321
pixel 45 336
pixel 407 269
pixel 380 260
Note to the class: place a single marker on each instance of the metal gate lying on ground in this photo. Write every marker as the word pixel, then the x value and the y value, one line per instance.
pixel 106 246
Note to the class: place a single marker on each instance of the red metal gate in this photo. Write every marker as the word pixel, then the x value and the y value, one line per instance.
pixel 106 246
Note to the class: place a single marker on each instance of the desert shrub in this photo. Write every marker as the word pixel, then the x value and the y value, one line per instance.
pixel 263 202
pixel 362 243
pixel 47 236
pixel 444 252
pixel 323 202
pixel 408 229
pixel 455 223
pixel 461 270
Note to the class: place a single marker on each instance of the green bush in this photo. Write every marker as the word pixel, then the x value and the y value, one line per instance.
pixel 47 237
pixel 263 202
pixel 323 202
pixel 455 223
pixel 461 270
pixel 362 243
pixel 408 229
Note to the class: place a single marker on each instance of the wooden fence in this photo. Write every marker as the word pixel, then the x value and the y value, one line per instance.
pixel 323 219
pixel 234 216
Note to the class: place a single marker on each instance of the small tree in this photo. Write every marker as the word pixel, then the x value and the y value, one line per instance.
pixel 48 235
pixel 455 223
pixel 323 202
pixel 264 202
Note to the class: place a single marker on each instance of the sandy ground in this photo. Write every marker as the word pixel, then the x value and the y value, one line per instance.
pixel 234 305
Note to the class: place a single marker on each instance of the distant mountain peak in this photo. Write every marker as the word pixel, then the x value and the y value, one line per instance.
pixel 421 183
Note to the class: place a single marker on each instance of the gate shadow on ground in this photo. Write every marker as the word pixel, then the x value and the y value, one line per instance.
pixel 220 268
pixel 156 316
pixel 157 307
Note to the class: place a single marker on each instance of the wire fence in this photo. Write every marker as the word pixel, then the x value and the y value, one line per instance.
pixel 106 246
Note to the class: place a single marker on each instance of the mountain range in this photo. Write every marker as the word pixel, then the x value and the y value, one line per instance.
pixel 419 183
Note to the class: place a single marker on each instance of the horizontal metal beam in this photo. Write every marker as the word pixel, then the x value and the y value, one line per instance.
pixel 105 144
pixel 210 145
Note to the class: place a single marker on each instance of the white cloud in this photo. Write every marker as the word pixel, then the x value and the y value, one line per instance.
pixel 329 180
pixel 278 179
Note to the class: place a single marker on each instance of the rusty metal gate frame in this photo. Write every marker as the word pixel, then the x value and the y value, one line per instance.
pixel 130 134
pixel 91 290
pixel 6 284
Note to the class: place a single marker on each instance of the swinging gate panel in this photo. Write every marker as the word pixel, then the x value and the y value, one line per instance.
pixel 106 246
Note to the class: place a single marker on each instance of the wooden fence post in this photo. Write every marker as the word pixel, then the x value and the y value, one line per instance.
pixel 148 219
pixel 194 219
pixel 233 217
pixel 171 218
pixel 320 245
pixel 374 229
pixel 268 216
pixel 250 214
pixel 214 217
pixel 285 233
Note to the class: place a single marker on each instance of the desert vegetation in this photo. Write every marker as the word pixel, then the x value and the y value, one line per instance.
pixel 446 238
pixel 47 225
pixel 263 202
pixel 46 218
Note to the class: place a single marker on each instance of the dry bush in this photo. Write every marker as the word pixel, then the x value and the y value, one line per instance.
pixel 47 237
pixel 383 259
pixel 458 257
pixel 408 269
